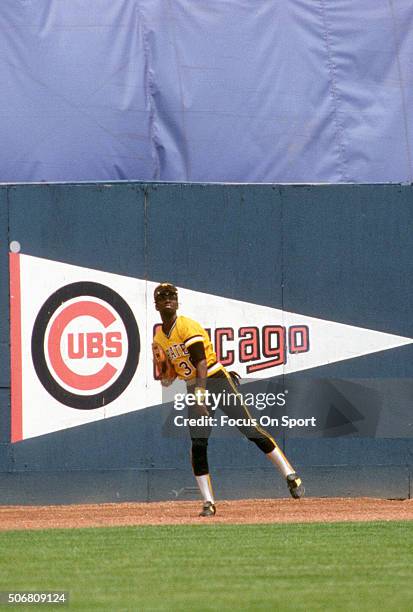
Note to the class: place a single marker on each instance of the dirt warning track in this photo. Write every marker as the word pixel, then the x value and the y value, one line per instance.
pixel 249 511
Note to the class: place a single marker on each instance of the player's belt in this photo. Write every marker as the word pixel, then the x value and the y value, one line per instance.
pixel 212 370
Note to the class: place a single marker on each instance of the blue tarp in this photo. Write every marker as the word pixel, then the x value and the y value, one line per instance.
pixel 221 90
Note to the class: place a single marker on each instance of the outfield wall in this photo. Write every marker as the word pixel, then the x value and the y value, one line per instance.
pixel 338 254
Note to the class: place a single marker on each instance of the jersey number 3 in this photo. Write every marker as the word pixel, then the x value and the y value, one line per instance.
pixel 186 367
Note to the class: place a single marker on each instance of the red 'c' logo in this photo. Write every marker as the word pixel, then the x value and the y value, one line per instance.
pixel 84 382
pixel 85 345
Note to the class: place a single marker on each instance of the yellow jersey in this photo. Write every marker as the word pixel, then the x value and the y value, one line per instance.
pixel 176 343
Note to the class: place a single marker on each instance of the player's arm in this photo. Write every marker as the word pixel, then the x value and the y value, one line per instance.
pixel 198 359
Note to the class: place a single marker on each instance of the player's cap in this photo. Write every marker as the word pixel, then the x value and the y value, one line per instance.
pixel 164 288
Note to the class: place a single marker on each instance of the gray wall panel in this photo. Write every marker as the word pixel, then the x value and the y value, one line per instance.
pixel 4 418
pixel 5 364
pixel 218 239
pixel 4 280
pixel 347 254
pixel 97 225
pixel 73 487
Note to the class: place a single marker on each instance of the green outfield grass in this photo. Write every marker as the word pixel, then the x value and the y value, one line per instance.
pixel 341 566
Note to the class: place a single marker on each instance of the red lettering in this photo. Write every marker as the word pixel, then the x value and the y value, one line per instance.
pixel 94 345
pixel 299 339
pixel 249 347
pixel 225 357
pixel 94 342
pixel 71 352
pixel 113 344
pixel 273 346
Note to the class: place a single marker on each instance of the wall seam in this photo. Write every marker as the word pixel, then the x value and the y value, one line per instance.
pixel 149 87
pixel 185 152
pixel 334 94
pixel 280 192
pixel 402 90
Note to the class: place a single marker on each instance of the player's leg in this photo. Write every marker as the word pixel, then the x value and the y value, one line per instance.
pixel 200 468
pixel 262 439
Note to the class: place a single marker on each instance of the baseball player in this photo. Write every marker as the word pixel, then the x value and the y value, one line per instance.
pixel 183 348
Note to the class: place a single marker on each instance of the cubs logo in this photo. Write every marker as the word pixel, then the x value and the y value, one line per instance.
pixel 85 345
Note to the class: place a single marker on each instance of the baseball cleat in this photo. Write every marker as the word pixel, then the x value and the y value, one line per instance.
pixel 208 509
pixel 295 486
